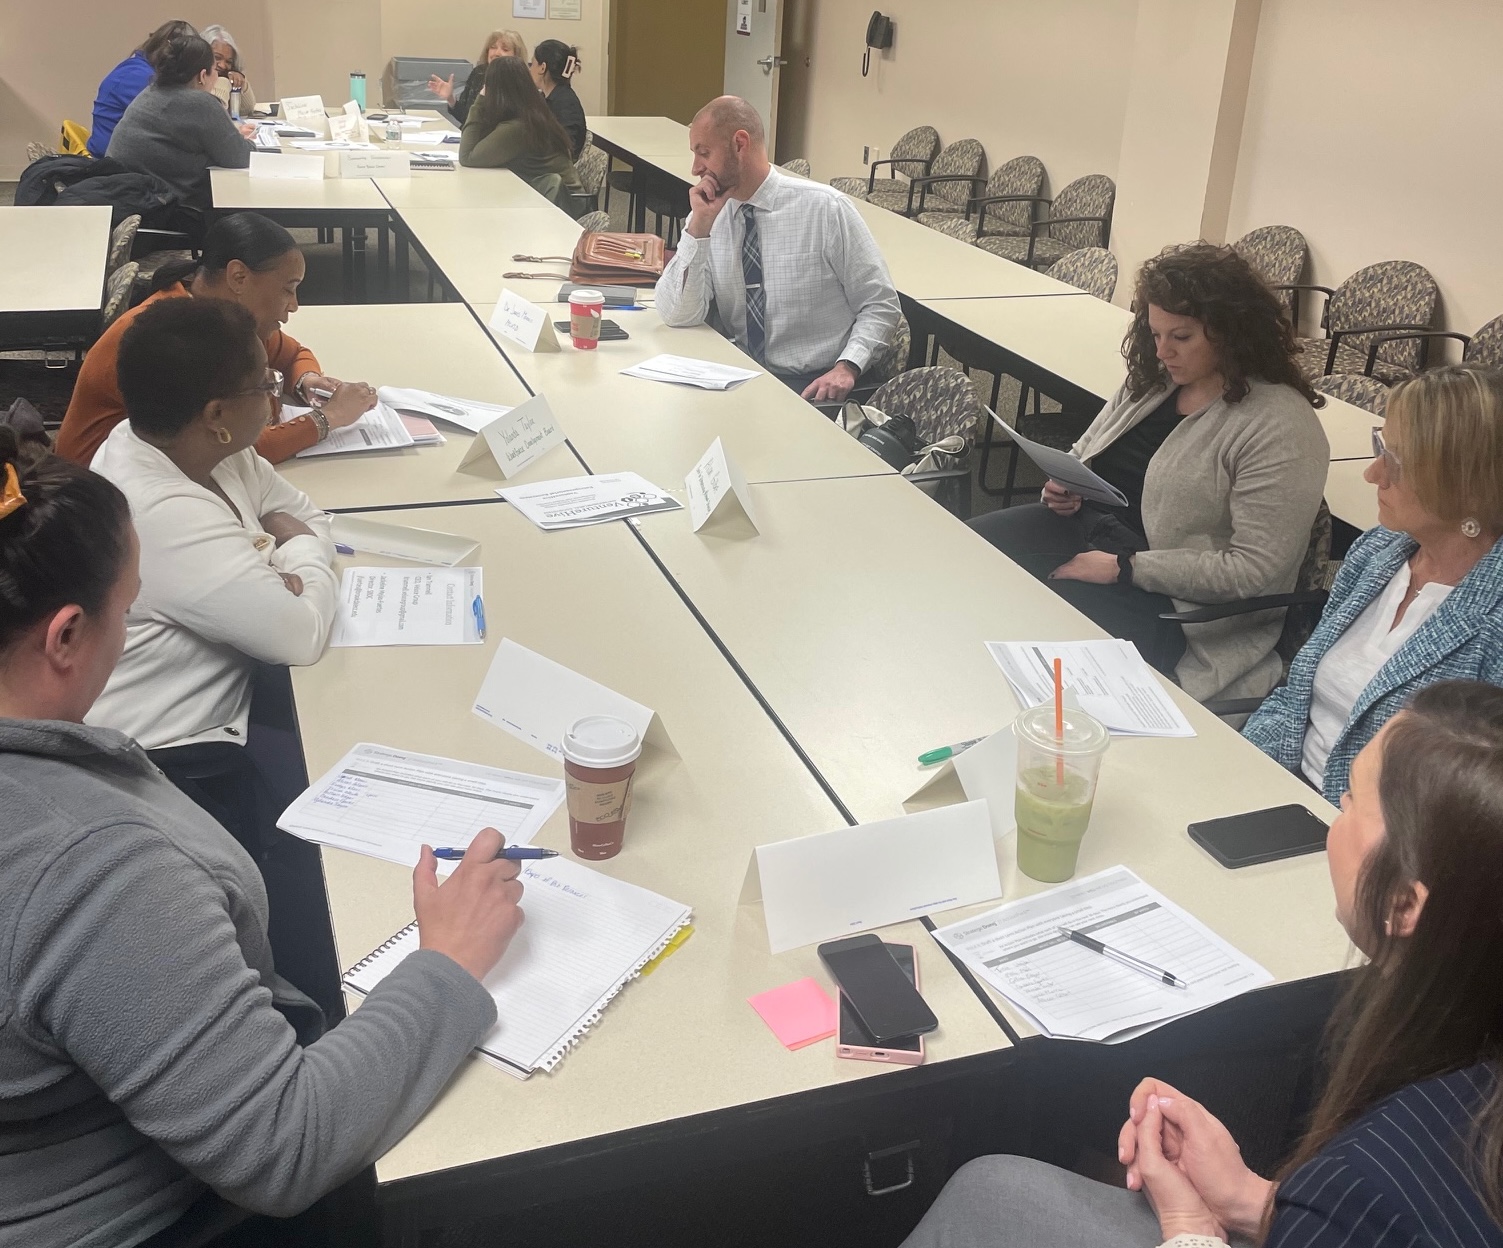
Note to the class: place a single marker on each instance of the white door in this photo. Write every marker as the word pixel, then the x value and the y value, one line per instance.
pixel 753 42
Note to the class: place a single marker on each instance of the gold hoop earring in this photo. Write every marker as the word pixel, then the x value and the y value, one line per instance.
pixel 224 435
pixel 1470 528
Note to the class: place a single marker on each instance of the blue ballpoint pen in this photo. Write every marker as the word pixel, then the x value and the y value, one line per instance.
pixel 478 608
pixel 512 853
pixel 341 548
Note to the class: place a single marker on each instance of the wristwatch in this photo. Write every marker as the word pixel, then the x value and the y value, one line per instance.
pixel 1124 569
pixel 297 386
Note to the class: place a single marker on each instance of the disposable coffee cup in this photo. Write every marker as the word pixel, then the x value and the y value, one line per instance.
pixel 585 310
pixel 1056 788
pixel 600 762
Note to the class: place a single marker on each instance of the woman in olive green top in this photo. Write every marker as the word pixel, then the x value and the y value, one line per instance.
pixel 511 127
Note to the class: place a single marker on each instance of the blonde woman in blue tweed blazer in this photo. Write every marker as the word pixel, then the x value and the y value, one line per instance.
pixel 1435 562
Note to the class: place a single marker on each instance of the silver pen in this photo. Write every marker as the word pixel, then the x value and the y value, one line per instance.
pixel 1126 959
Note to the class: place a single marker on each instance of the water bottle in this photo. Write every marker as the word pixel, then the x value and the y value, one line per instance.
pixel 357 90
pixel 235 103
pixel 393 131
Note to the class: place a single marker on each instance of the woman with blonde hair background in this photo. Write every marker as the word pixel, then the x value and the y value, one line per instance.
pixel 1418 599
pixel 500 43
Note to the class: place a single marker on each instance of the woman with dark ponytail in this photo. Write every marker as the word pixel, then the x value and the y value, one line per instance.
pixel 176 128
pixel 553 66
pixel 510 127
pixel 251 261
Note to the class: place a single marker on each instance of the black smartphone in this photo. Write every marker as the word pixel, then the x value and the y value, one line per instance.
pixel 854 1042
pixel 885 1003
pixel 609 330
pixel 1261 835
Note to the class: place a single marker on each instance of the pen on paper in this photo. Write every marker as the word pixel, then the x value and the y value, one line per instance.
pixel 477 608
pixel 1125 959
pixel 929 757
pixel 512 853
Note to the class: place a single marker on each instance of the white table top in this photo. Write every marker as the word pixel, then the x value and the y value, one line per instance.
pixel 235 188
pixel 427 346
pixel 54 258
pixel 1349 429
pixel 622 423
pixel 646 136
pixel 871 667
pixel 683 1040
pixel 473 247
pixel 1349 497
pixel 461 188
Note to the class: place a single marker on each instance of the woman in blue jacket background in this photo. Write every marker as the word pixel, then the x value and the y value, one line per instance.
pixel 126 81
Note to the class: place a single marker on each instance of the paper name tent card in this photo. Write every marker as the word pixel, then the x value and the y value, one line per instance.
pixel 536 699
pixel 850 880
pixel 288 165
pixel 409 607
pixel 986 772
pixel 400 541
pixel 523 322
pixel 572 502
pixel 1069 990
pixel 379 429
pixel 1108 678
pixel 388 803
pixel 516 437
pixel 586 936
pixel 374 164
pixel 306 112
pixel 718 491
pixel 683 371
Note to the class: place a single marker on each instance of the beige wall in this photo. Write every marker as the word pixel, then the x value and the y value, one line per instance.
pixel 1023 77
pixel 688 35
pixel 1374 127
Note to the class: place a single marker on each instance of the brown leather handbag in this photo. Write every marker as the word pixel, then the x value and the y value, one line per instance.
pixel 613 259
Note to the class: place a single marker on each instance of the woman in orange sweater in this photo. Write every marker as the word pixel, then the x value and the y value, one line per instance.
pixel 255 263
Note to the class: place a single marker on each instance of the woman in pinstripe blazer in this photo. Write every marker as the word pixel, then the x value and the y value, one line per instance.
pixel 1406 1144
pixel 1417 600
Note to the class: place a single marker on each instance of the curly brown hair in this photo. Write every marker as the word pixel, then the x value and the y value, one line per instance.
pixel 1242 318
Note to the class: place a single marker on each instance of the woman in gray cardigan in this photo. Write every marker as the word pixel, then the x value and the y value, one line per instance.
pixel 1214 441
pixel 151 1058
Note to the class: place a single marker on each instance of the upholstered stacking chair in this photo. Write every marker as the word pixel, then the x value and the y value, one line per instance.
pixel 1092 269
pixel 1277 254
pixel 1012 191
pixel 1080 216
pixel 942 402
pixel 122 239
pixel 591 167
pixel 1391 298
pixel 1485 347
pixel 595 222
pixel 947 184
pixel 1367 393
pixel 798 166
pixel 910 157
pixel 118 289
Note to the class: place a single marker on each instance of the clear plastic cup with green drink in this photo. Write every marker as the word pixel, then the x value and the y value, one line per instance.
pixel 1055 788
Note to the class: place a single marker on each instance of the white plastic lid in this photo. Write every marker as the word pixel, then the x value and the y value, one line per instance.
pixel 587 296
pixel 601 741
pixel 1081 733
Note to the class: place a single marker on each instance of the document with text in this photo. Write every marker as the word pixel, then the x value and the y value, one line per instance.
pixel 410 607
pixel 682 371
pixel 1109 679
pixel 571 502
pixel 380 429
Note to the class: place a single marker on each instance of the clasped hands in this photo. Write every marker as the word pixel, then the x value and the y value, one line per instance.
pixel 1185 1161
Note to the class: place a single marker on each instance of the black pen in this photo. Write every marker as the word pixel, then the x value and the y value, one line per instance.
pixel 1126 959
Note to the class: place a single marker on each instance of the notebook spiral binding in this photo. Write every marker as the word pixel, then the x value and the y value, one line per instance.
pixel 374 954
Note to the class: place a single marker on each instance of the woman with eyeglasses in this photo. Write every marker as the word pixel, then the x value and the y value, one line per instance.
pixel 1418 599
pixel 236 564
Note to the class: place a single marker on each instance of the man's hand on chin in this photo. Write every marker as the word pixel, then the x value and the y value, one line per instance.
pixel 834 386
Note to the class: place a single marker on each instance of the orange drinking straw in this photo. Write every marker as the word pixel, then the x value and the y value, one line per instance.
pixel 1059 719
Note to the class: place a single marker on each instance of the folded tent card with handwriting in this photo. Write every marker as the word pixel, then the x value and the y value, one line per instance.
pixel 718 493
pixel 517 437
pixel 523 322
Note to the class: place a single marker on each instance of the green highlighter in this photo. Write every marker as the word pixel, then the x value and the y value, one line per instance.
pixel 930 757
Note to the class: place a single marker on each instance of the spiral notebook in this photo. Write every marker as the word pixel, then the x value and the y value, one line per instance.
pixel 585 937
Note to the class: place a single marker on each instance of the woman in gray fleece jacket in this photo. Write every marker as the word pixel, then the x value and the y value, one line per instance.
pixel 1215 444
pixel 149 1057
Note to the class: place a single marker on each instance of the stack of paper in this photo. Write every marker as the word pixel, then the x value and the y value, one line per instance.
pixel 434 160
pixel 1108 679
pixel 410 607
pixel 682 371
pixel 333 145
pixel 468 414
pixel 1069 990
pixel 422 430
pixel 575 501
pixel 380 429
pixel 1063 467
pixel 390 803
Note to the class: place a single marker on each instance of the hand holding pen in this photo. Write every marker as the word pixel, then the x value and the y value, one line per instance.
pixel 472 916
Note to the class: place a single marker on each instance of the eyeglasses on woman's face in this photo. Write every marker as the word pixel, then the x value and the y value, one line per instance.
pixel 1391 462
pixel 271 386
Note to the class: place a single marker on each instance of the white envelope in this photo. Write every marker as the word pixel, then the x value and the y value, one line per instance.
pixel 854 879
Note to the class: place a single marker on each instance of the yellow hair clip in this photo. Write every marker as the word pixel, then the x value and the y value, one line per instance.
pixel 11 498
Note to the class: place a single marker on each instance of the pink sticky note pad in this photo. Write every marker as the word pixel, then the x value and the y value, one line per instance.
pixel 798 1013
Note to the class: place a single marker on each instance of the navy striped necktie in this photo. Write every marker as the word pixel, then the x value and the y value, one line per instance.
pixel 751 274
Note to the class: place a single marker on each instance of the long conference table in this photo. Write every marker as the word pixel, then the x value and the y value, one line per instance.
pixel 799 672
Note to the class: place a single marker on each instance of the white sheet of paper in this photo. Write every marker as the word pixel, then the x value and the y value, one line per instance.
pixel 1071 991
pixel 389 803
pixel 536 699
pixel 332 145
pixel 850 880
pixel 281 164
pixel 375 163
pixel 400 541
pixel 985 772
pixel 680 370
pixel 517 437
pixel 379 429
pixel 717 488
pixel 1063 467
pixel 408 607
pixel 306 111
pixel 468 414
pixel 575 501
pixel 523 322
pixel 529 8
pixel 1109 678
pixel 428 138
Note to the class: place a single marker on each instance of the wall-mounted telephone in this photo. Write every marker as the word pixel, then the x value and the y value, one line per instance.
pixel 879 36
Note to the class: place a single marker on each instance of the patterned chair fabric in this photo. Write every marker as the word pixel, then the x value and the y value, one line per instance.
pixel 1022 175
pixel 118 288
pixel 1090 196
pixel 591 168
pixel 1092 269
pixel 1317 571
pixel 963 158
pixel 910 154
pixel 940 401
pixel 893 358
pixel 1365 392
pixel 799 166
pixel 1277 254
pixel 593 222
pixel 122 239
pixel 1486 346
pixel 1392 292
